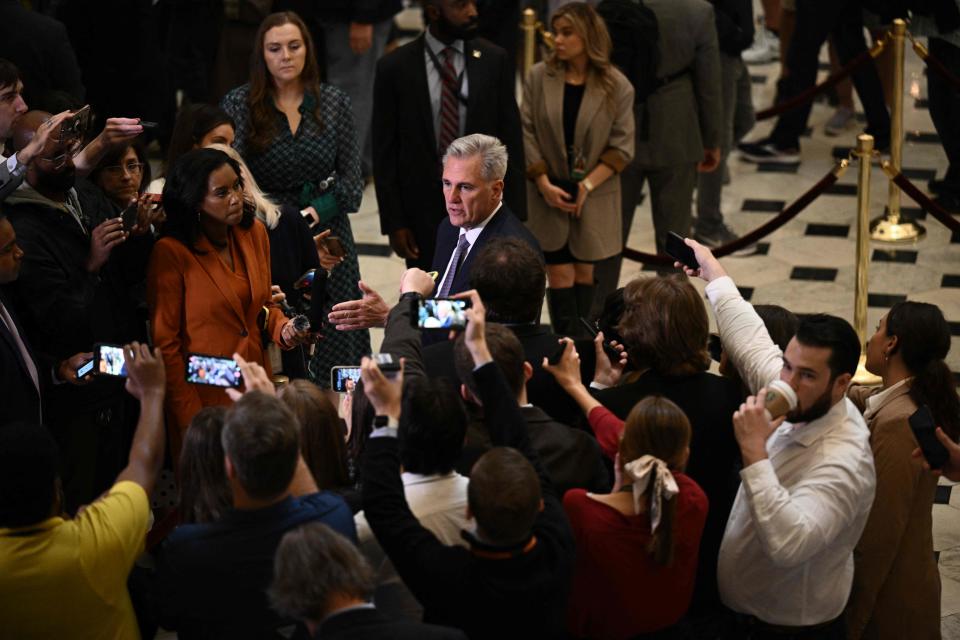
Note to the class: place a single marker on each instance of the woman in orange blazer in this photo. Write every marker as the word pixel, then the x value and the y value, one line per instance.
pixel 208 284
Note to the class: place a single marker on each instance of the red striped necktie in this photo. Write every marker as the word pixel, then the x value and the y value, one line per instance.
pixel 449 108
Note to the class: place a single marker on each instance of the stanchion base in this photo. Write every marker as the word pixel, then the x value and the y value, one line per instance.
pixel 864 377
pixel 904 231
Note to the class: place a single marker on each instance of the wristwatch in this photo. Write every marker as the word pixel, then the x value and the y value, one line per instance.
pixel 587 184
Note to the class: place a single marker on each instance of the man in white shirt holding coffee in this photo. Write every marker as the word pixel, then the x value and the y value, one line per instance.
pixel 786 561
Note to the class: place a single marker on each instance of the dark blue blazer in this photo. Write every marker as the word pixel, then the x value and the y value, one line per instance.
pixel 504 224
pixel 21 402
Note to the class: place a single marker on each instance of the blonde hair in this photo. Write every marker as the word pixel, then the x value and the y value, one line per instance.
pixel 267 210
pixel 590 28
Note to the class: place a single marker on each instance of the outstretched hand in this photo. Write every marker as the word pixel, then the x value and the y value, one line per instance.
pixel 607 372
pixel 950 470
pixel 567 370
pixel 384 393
pixel 146 374
pixel 710 268
pixel 368 311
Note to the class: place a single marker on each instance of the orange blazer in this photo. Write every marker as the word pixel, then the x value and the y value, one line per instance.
pixel 194 309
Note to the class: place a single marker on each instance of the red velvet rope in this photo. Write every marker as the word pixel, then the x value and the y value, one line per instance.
pixel 922 199
pixel 769 227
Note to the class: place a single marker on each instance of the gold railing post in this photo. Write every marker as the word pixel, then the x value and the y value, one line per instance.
pixel 529 28
pixel 891 228
pixel 864 153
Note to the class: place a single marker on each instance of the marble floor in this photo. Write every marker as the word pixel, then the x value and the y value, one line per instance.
pixel 807 265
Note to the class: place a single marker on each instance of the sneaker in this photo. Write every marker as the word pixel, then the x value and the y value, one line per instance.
pixel 765 48
pixel 766 151
pixel 839 122
pixel 721 236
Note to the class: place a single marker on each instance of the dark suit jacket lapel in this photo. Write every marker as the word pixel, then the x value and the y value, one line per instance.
pixel 219 276
pixel 8 338
pixel 462 281
pixel 421 91
pixel 478 77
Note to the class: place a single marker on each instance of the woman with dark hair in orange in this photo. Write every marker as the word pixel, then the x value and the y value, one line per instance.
pixel 299 140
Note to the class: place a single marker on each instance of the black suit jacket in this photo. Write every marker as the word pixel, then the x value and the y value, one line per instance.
pixel 21 400
pixel 503 224
pixel 361 624
pixel 40 48
pixel 406 165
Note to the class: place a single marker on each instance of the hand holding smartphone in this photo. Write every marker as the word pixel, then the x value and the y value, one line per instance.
pixel 339 376
pixel 213 370
pixel 677 249
pixel 925 431
pixel 441 313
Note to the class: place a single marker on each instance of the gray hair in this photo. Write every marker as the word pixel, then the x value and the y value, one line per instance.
pixel 492 152
pixel 312 564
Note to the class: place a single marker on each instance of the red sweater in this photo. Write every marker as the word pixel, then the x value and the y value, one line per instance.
pixel 618 591
pixel 608 428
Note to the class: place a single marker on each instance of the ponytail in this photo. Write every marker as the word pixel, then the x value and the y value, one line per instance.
pixel 923 341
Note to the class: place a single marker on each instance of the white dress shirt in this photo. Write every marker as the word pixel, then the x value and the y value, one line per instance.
pixel 472 235
pixel 787 552
pixel 435 82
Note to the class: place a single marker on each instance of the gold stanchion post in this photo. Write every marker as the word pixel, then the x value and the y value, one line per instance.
pixel 891 228
pixel 864 153
pixel 529 28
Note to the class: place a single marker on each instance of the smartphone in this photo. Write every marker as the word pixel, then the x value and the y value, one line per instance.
pixel 130 216
pixel 678 250
pixel 442 313
pixel 925 430
pixel 608 348
pixel 76 125
pixel 109 360
pixel 305 280
pixel 213 370
pixel 340 375
pixel 148 125
pixel 389 366
pixel 156 198
pixel 85 368
pixel 334 246
pixel 554 358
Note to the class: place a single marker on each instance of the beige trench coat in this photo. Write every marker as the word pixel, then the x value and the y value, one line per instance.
pixel 602 135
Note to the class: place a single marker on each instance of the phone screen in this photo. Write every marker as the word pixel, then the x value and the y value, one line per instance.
pixel 305 280
pixel 442 313
pixel 110 360
pixel 335 246
pixel 86 368
pixel 340 375
pixel 677 249
pixel 213 370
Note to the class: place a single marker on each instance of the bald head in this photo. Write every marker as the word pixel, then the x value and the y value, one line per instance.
pixel 26 126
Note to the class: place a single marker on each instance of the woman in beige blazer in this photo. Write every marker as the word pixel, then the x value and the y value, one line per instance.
pixel 896 584
pixel 578 134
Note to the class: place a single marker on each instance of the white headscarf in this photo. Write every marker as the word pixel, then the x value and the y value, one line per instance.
pixel 641 471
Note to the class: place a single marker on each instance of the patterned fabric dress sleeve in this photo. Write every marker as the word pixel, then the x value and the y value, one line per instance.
pixel 349 186
pixel 235 104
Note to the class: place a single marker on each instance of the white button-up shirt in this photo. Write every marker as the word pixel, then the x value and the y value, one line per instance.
pixel 787 552
pixel 472 235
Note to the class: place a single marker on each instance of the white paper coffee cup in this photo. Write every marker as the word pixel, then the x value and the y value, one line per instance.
pixel 779 400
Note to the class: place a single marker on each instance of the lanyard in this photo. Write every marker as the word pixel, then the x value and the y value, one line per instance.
pixel 445 77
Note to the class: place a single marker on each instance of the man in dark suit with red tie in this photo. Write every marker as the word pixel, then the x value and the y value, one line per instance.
pixel 427 93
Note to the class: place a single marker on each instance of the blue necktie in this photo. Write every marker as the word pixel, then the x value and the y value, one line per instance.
pixel 458 254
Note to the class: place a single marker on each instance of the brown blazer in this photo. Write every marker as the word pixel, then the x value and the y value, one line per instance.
pixel 193 309
pixel 603 135
pixel 896 584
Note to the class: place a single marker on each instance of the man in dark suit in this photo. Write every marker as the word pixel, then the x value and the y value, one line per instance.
pixel 570 457
pixel 510 278
pixel 22 374
pixel 426 93
pixel 473 177
pixel 321 578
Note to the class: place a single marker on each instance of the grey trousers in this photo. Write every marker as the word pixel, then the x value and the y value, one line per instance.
pixel 738 119
pixel 354 74
pixel 671 196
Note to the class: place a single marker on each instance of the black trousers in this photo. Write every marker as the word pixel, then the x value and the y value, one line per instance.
pixel 816 20
pixel 945 109
pixel 742 627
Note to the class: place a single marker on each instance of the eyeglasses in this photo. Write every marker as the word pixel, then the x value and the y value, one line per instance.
pixel 70 149
pixel 118 170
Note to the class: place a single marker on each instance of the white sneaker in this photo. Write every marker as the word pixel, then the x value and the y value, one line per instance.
pixel 839 122
pixel 765 48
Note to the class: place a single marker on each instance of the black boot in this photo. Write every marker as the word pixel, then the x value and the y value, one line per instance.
pixel 562 304
pixel 584 294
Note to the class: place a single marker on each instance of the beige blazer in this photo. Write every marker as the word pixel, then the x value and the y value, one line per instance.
pixel 602 134
pixel 896 585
